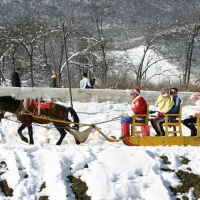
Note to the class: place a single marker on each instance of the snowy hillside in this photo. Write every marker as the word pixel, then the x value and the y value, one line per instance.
pixel 160 69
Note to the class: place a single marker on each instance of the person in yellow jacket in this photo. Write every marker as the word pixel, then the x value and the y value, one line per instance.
pixel 53 80
pixel 165 103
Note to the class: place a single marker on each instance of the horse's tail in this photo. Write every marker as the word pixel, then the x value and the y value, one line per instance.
pixel 74 116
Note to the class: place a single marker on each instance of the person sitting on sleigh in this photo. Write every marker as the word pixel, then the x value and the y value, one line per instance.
pixel 192 120
pixel 138 106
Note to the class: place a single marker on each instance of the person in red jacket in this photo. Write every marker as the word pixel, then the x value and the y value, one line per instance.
pixel 139 106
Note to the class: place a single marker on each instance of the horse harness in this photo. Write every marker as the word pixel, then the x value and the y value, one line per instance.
pixel 34 104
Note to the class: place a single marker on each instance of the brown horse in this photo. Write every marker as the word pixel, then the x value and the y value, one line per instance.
pixel 54 111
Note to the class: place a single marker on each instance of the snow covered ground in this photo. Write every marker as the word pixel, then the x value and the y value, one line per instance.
pixel 114 171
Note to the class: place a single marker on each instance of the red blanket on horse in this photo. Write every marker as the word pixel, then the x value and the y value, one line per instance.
pixel 43 105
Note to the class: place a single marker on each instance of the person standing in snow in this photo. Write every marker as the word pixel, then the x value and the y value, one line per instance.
pixel 53 80
pixel 92 82
pixel 15 80
pixel 138 106
pixel 189 122
pixel 165 103
pixel 85 82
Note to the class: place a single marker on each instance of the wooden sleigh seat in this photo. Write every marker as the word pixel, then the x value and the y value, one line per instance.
pixel 135 123
pixel 198 124
pixel 176 124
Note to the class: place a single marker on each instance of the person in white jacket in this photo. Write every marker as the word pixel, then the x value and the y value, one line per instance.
pixel 189 122
pixel 85 82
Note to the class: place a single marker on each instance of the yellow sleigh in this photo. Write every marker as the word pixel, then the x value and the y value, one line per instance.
pixel 173 133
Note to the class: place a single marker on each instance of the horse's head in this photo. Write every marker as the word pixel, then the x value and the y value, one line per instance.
pixel 8 103
pixel 195 97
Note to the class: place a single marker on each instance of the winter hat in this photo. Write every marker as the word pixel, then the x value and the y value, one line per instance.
pixel 135 91
pixel 53 76
pixel 165 89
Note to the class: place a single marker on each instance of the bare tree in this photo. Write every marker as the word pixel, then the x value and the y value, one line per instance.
pixel 102 44
pixel 187 28
pixel 29 49
pixel 99 13
pixel 191 42
pixel 141 69
pixel 26 35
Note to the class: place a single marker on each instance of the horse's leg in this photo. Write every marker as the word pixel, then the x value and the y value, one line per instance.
pixel 21 128
pixel 76 119
pixel 62 135
pixel 30 133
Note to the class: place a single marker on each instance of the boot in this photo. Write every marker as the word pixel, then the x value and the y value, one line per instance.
pixel 125 130
pixel 192 128
pixel 193 133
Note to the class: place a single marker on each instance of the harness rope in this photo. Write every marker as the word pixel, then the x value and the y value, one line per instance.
pixel 30 113
pixel 113 119
pixel 35 124
pixel 49 118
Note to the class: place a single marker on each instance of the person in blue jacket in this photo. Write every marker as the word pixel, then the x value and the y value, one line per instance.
pixel 177 102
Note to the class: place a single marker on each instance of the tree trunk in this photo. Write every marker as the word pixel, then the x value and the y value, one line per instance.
pixel 188 65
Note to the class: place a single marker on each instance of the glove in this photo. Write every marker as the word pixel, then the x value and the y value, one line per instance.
pixel 152 111
pixel 130 113
pixel 125 115
pixel 129 107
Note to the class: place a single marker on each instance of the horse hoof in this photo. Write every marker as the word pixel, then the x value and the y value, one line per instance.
pixel 77 142
pixel 58 143
pixel 25 139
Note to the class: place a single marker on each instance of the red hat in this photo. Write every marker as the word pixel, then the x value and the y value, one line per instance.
pixel 135 91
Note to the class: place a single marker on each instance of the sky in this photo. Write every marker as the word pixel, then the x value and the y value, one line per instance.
pixel 114 171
